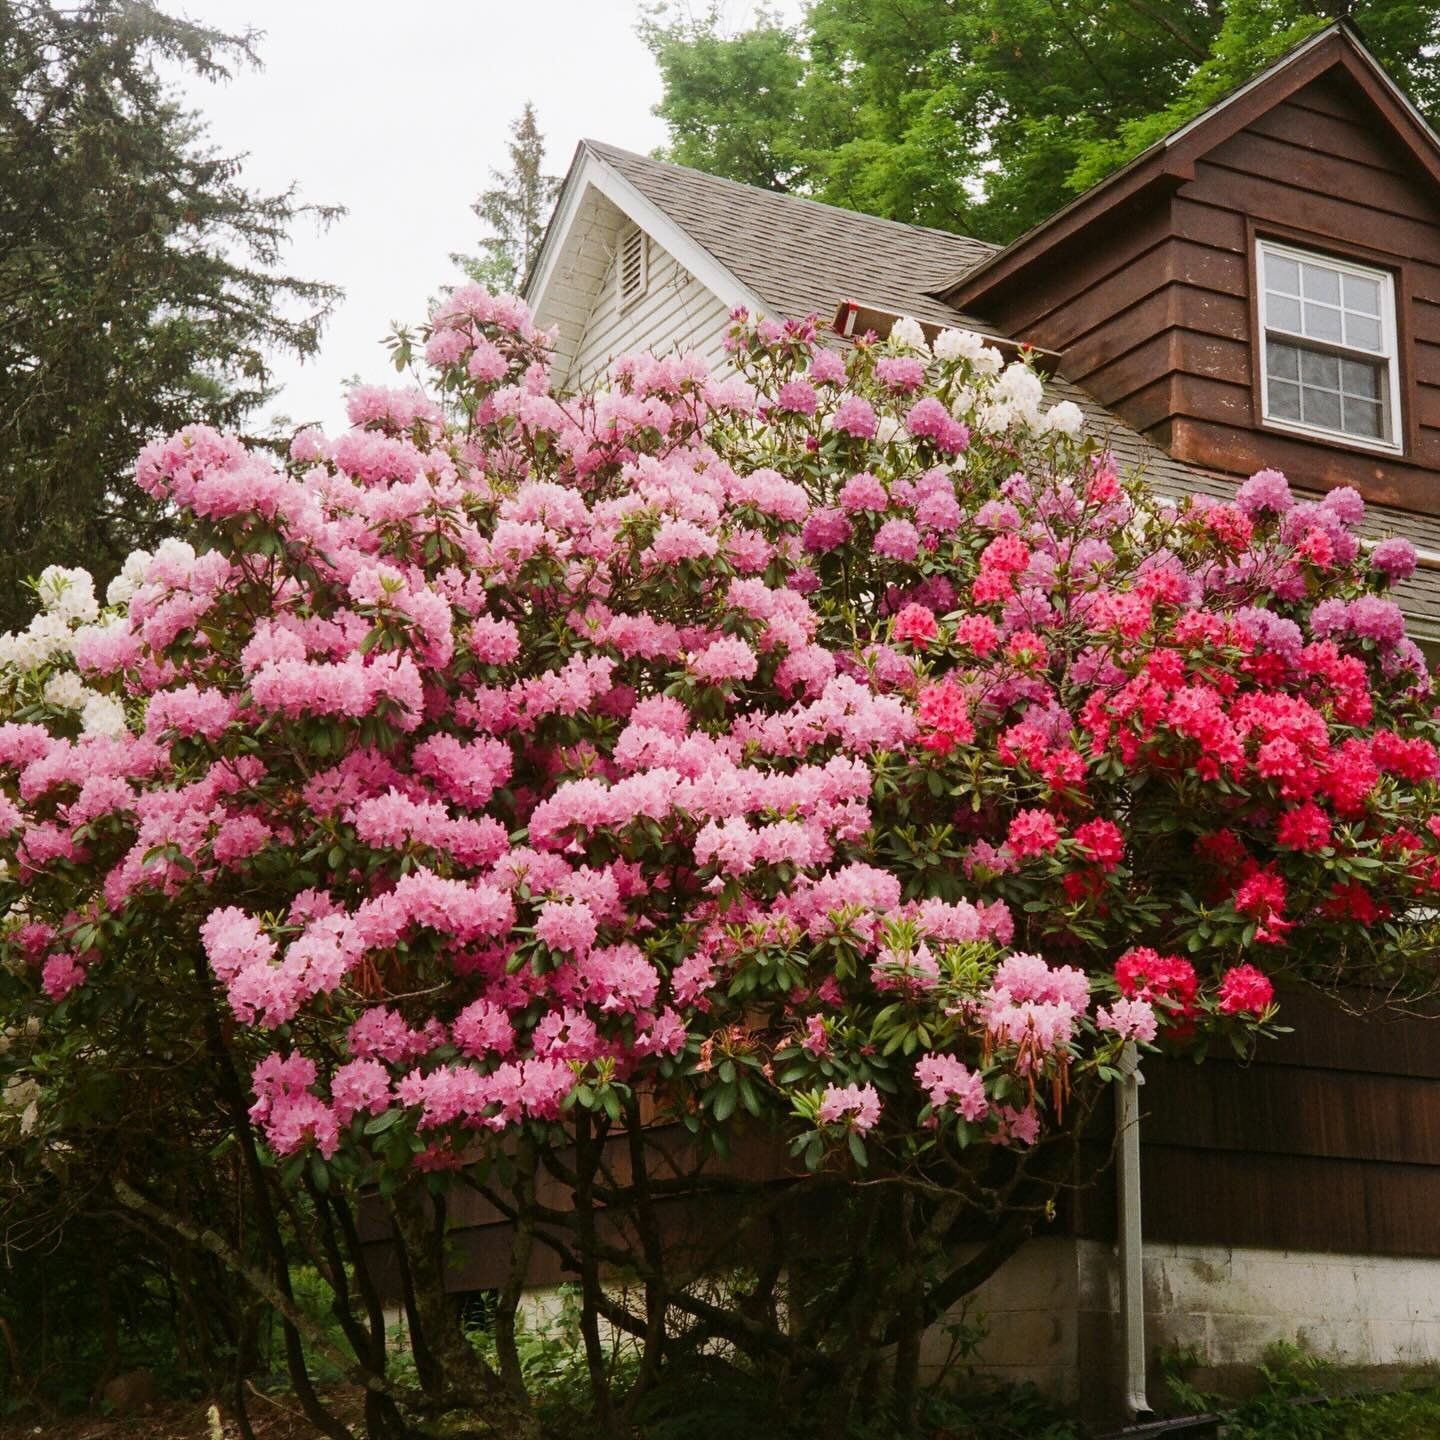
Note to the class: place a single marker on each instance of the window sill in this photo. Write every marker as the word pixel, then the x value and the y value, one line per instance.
pixel 1337 439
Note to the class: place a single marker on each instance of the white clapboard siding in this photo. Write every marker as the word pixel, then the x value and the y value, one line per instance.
pixel 676 313
pixel 587 260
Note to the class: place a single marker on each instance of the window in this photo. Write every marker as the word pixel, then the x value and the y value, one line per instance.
pixel 631 266
pixel 1331 363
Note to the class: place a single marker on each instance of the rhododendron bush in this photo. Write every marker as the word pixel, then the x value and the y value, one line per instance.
pixel 585 787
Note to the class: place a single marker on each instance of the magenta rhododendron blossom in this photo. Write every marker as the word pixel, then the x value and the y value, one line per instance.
pixel 915 623
pixel 706 743
pixel 1243 988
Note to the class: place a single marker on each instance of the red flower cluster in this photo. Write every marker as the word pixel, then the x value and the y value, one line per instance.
pixel 916 624
pixel 1305 828
pixel 1027 650
pixel 944 718
pixel 979 633
pixel 1166 981
pixel 1102 841
pixel 1262 897
pixel 1032 832
pixel 1229 528
pixel 1245 990
pixel 1005 557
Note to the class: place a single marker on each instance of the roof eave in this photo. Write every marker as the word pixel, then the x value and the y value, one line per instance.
pixel 589 170
pixel 558 225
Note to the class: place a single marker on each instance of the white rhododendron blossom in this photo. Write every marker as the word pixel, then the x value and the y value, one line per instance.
pixel 1066 418
pixel 103 716
pixel 908 332
pixel 130 578
pixel 958 345
pixel 68 593
pixel 65 690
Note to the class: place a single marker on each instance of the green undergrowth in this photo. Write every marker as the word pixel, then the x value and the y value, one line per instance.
pixel 1306 1397
pixel 704 1397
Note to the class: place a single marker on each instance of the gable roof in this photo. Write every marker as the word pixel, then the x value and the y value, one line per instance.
pixel 801 256
pixel 792 257
pixel 785 256
pixel 1170 162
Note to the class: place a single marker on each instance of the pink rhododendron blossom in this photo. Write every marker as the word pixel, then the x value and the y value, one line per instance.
pixel 863 492
pixel 951 1082
pixel 901 373
pixel 856 1106
pixel 725 659
pixel 817 1038
pixel 855 416
pixel 733 749
pixel 483 1028
pixel 826 529
pixel 360 1085
pixel 897 539
pixel 1395 559
pixel 1129 1019
pixel 60 975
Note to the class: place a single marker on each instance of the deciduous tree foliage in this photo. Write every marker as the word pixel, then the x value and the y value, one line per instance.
pixel 981 117
pixel 139 278
pixel 588 790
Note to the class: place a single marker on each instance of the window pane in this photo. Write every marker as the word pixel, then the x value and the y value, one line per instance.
pixel 1359 379
pixel 1320 407
pixel 1284 400
pixel 1317 368
pixel 1321 283
pixel 1282 274
pixel 1322 322
pixel 1283 312
pixel 1362 417
pixel 1325 353
pixel 1362 332
pixel 1283 361
pixel 1362 294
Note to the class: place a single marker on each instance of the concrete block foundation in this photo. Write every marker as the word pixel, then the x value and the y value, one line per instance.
pixel 1050 1316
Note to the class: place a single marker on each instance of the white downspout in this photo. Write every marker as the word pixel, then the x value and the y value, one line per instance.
pixel 1132 1270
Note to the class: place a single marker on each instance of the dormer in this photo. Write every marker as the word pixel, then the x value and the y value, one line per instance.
pixel 1260 288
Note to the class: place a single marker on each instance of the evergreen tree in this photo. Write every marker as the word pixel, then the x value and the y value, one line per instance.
pixel 513 210
pixel 139 281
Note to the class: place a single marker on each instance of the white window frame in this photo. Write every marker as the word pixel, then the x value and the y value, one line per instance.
pixel 1388 356
pixel 624 301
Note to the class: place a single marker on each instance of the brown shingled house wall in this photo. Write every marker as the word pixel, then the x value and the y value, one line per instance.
pixel 1328 1140
pixel 1155 313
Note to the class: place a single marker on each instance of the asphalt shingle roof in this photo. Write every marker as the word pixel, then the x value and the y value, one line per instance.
pixel 803 257
pixel 800 255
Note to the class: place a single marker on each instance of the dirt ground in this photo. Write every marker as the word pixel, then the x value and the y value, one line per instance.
pixel 271 1418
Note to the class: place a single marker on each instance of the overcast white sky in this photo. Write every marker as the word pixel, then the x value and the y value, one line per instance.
pixel 399 112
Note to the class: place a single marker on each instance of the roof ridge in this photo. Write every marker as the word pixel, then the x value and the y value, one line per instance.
pixel 602 146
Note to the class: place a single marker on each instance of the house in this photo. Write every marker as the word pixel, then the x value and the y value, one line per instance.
pixel 1260 288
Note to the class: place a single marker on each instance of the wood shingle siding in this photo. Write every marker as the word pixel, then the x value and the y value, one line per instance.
pixel 1157 319
pixel 1329 1140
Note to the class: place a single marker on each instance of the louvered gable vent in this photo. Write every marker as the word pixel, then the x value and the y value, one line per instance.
pixel 633 265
